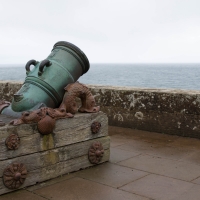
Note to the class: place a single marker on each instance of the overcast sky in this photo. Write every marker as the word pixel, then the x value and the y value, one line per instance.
pixel 108 31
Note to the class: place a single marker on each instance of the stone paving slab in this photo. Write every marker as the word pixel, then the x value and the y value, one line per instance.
pixel 157 165
pixel 132 134
pixel 159 187
pixel 116 141
pixel 110 174
pixel 164 151
pixel 21 195
pixel 187 143
pixel 197 181
pixel 192 157
pixel 192 193
pixel 80 189
pixel 50 182
pixel 117 155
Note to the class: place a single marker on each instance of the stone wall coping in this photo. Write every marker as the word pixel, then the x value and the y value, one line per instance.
pixel 126 88
pixel 154 90
pixel 10 81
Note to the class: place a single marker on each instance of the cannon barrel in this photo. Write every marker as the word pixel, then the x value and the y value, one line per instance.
pixel 44 84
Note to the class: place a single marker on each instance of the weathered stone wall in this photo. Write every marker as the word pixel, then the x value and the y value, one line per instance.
pixel 8 89
pixel 166 111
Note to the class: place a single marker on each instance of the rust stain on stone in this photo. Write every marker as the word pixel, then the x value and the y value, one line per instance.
pixel 51 158
pixel 47 142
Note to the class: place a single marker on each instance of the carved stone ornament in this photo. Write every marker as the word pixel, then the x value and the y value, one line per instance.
pixel 95 153
pixel 95 127
pixel 12 141
pixel 14 175
pixel 78 90
pixel 44 117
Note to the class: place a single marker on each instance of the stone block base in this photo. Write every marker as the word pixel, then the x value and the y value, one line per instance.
pixel 27 157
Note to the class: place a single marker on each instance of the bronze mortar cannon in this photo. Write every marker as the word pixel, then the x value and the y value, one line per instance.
pixel 50 89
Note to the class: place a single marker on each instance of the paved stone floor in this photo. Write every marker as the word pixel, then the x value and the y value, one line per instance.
pixel 142 166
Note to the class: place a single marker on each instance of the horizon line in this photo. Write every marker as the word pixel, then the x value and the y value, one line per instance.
pixel 119 63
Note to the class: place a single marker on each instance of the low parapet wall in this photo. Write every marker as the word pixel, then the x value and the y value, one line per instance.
pixel 175 112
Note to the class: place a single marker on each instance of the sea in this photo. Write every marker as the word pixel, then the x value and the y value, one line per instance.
pixel 164 76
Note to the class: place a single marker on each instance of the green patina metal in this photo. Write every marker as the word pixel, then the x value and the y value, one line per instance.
pixel 44 84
